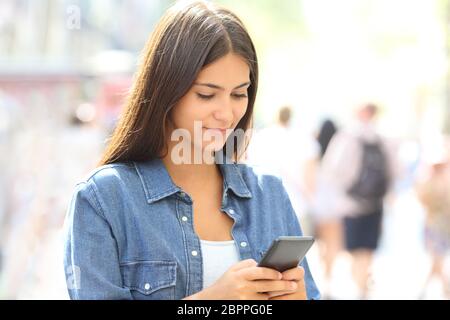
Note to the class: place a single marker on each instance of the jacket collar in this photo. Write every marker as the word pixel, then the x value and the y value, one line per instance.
pixel 158 184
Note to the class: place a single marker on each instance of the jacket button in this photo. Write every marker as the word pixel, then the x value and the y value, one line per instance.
pixel 243 244
pixel 231 211
pixel 147 286
pixel 194 253
pixel 184 218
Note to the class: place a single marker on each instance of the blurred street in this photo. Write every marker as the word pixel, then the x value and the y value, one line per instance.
pixel 332 81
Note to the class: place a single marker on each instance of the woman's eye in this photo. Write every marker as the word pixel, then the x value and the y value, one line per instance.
pixel 205 96
pixel 210 96
pixel 240 96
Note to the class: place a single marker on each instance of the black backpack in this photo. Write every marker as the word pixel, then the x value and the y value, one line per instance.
pixel 372 181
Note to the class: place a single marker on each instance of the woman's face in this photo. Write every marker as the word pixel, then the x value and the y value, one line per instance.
pixel 216 102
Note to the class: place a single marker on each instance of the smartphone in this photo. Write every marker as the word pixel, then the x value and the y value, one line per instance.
pixel 286 253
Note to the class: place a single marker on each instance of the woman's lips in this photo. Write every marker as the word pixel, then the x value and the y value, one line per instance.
pixel 219 130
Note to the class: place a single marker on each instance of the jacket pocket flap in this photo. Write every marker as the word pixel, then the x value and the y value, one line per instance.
pixel 149 276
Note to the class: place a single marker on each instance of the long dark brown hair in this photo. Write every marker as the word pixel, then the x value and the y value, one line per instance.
pixel 187 38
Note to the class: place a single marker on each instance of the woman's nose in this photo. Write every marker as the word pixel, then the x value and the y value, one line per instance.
pixel 224 111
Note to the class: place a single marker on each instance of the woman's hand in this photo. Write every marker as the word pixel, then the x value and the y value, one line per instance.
pixel 246 281
pixel 297 275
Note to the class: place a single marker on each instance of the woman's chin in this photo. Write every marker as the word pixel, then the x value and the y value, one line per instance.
pixel 212 146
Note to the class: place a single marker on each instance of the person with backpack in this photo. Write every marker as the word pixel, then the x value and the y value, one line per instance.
pixel 360 169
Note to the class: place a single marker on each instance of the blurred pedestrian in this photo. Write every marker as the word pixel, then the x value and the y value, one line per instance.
pixel 361 170
pixel 434 192
pixel 326 220
pixel 326 132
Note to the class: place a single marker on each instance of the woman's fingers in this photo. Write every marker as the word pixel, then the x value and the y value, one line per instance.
pixel 266 283
pixel 278 293
pixel 294 275
pixel 244 264
pixel 299 294
pixel 297 274
pixel 262 296
pixel 289 297
pixel 259 273
pixel 268 286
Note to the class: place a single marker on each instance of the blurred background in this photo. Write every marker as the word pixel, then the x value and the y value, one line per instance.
pixel 66 66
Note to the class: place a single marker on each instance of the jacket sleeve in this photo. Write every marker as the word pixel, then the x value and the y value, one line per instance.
pixel 91 258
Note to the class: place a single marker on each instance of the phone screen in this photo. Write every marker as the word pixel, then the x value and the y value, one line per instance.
pixel 286 253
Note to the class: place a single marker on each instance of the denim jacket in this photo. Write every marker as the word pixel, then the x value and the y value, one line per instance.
pixel 129 231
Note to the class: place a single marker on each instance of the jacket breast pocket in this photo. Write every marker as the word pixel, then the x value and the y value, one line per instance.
pixel 150 280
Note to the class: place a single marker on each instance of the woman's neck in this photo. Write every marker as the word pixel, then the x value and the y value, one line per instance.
pixel 191 174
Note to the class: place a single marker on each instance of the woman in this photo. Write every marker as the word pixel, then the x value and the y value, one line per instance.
pixel 154 222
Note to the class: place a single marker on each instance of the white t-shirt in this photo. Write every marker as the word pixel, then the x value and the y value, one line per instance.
pixel 218 257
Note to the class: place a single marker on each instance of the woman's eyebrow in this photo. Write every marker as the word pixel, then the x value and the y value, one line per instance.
pixel 215 86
